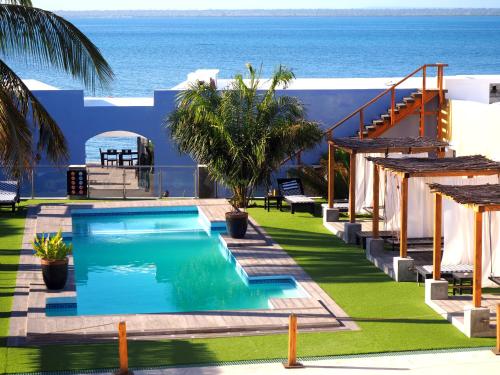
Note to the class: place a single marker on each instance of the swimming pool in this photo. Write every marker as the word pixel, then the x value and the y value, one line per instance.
pixel 159 260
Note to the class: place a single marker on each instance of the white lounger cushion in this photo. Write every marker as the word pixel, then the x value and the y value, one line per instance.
pixel 8 191
pixel 451 268
pixel 298 199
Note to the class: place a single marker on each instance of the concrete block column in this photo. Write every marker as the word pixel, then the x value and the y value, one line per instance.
pixel 330 214
pixel 477 322
pixel 435 290
pixel 350 230
pixel 403 269
pixel 374 246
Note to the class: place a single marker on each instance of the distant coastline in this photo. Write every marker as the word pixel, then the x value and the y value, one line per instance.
pixel 389 12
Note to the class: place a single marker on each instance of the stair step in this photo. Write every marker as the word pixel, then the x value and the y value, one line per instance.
pixel 386 116
pixel 409 99
pixel 370 127
pixel 400 105
pixel 378 122
pixel 396 110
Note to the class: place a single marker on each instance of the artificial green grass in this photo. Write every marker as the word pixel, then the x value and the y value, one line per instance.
pixel 392 316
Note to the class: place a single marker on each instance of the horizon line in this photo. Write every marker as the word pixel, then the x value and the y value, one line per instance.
pixel 275 9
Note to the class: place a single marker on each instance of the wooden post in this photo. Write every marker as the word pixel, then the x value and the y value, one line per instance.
pixel 438 210
pixel 497 347
pixel 292 343
pixel 478 259
pixel 331 174
pixel 422 104
pixel 122 349
pixel 352 188
pixel 403 241
pixel 361 125
pixel 393 106
pixel 376 183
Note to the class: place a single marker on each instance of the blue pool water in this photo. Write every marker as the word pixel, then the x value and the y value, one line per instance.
pixel 159 262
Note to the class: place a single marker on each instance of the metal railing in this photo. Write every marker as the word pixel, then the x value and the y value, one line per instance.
pixel 129 182
pixel 328 133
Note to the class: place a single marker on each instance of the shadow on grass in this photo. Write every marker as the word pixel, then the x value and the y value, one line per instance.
pixel 326 258
pixel 141 354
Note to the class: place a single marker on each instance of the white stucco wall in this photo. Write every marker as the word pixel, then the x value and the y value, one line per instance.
pixel 475 128
pixel 473 88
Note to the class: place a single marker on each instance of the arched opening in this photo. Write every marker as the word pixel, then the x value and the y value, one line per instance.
pixel 120 164
pixel 105 149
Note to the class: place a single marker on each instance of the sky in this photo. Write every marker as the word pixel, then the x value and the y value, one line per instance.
pixel 255 4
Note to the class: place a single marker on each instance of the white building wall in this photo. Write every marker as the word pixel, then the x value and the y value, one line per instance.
pixel 475 128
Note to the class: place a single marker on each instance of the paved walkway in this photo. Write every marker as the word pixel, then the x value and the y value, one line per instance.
pixel 453 362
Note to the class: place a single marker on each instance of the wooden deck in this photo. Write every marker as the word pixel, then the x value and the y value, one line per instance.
pixel 337 227
pixel 453 308
pixel 257 254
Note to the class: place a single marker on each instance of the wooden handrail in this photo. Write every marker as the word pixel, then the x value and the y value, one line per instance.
pixel 360 111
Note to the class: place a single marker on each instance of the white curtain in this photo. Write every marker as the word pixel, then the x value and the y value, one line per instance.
pixel 458 231
pixel 364 179
pixel 420 201
pixel 364 183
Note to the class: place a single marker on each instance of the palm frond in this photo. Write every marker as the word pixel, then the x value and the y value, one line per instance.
pixel 44 38
pixel 15 139
pixel 16 97
pixel 240 133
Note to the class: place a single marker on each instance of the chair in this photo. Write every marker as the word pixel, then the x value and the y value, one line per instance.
pixel 126 157
pixel 293 193
pixel 9 194
pixel 112 157
pixel 103 156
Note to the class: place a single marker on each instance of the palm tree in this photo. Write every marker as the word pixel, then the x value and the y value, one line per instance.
pixel 242 134
pixel 27 131
pixel 315 178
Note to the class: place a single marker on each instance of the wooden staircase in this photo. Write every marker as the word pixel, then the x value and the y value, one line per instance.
pixel 415 103
pixel 409 106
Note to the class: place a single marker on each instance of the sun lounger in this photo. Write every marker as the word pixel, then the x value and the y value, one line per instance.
pixel 293 193
pixel 9 194
pixel 425 272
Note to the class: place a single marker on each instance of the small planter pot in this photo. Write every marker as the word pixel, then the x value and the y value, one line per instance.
pixel 55 273
pixel 237 224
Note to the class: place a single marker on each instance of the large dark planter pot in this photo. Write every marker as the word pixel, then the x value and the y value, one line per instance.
pixel 237 223
pixel 55 273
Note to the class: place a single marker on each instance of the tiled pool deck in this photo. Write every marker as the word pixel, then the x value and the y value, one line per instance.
pixel 257 254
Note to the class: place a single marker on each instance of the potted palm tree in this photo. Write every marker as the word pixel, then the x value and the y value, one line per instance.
pixel 241 133
pixel 53 253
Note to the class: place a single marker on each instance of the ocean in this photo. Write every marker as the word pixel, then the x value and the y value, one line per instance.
pixel 158 53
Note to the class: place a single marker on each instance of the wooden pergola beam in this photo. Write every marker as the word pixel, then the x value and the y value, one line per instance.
pixel 445 173
pixel 436 254
pixel 352 188
pixel 384 150
pixel 403 241
pixel 478 259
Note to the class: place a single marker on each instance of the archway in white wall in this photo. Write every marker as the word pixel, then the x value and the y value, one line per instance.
pixel 120 164
pixel 120 141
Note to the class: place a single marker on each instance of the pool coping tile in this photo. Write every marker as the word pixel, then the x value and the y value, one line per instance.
pixel 257 254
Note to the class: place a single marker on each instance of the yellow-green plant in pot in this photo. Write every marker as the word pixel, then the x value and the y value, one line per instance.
pixel 53 253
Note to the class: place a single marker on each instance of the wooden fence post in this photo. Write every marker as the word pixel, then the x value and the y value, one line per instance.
pixel 497 347
pixel 292 344
pixel 123 350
